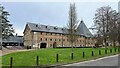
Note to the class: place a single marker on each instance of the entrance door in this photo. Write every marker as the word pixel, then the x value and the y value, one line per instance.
pixel 54 45
pixel 43 45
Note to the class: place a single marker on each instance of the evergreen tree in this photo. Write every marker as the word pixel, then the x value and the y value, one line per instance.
pixel 7 29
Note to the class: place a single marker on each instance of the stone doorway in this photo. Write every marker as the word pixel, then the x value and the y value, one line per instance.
pixel 43 45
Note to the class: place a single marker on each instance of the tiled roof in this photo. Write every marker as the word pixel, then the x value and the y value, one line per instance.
pixel 81 30
pixel 13 39
pixel 46 28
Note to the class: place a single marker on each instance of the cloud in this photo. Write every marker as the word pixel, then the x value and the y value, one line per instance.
pixel 19 32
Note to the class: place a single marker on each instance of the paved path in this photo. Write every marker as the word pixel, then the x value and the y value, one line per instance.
pixel 4 52
pixel 105 61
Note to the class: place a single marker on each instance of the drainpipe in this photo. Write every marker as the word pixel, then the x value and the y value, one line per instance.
pixel 36 40
pixel 32 39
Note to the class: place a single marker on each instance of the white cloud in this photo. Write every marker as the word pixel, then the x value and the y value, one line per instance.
pixel 19 32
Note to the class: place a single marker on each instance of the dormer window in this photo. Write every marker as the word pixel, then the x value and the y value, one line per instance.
pixel 37 25
pixel 56 27
pixel 45 26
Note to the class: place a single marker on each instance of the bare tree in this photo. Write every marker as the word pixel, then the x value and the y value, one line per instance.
pixel 119 29
pixel 72 25
pixel 105 23
pixel 113 27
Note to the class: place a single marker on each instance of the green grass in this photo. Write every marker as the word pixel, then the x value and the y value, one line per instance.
pixel 48 56
pixel 0 61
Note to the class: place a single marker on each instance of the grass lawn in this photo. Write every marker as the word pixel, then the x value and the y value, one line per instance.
pixel 48 56
pixel 0 61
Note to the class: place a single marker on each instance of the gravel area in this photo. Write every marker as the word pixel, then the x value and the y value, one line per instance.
pixel 5 51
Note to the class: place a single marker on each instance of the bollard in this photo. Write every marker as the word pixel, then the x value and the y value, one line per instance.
pixel 92 53
pixel 11 59
pixel 57 57
pixel 37 63
pixel 105 51
pixel 115 49
pixel 72 56
pixel 99 52
pixel 83 54
pixel 118 50
pixel 110 50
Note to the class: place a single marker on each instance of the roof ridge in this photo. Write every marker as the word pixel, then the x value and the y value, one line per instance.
pixel 44 25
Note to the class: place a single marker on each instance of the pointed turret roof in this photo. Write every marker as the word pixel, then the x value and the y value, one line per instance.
pixel 83 30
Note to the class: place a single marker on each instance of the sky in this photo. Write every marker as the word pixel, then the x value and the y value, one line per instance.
pixel 51 13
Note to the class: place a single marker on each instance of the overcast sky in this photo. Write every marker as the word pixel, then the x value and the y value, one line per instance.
pixel 51 13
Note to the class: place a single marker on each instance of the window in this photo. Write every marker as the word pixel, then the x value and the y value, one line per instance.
pixel 59 40
pixel 50 45
pixel 41 33
pixel 80 40
pixel 37 25
pixel 56 27
pixel 41 39
pixel 55 39
pixel 60 34
pixel 67 39
pixel 55 34
pixel 77 40
pixel 63 39
pixel 46 39
pixel 51 33
pixel 50 39
pixel 45 26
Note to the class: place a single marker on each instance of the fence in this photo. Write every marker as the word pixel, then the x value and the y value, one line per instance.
pixel 93 53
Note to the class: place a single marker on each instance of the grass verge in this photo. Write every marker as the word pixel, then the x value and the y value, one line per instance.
pixel 47 56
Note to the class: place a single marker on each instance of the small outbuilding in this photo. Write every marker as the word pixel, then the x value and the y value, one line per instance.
pixel 13 41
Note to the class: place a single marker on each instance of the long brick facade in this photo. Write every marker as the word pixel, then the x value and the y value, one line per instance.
pixel 35 37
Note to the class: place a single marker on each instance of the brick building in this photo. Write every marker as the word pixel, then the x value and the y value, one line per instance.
pixel 45 36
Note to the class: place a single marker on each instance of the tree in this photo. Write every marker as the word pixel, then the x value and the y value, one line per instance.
pixel 118 29
pixel 105 23
pixel 7 29
pixel 72 25
pixel 113 27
